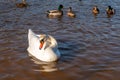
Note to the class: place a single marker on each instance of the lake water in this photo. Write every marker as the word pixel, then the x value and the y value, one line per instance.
pixel 90 46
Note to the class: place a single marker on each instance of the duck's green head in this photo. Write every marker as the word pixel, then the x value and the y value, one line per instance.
pixel 60 7
pixel 109 7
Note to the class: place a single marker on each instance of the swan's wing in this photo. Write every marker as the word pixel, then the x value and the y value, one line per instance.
pixel 30 32
pixel 32 38
pixel 30 35
pixel 53 42
pixel 54 45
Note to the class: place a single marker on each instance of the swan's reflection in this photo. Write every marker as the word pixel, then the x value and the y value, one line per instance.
pixel 45 66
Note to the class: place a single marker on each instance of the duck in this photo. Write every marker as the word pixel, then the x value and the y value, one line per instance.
pixel 55 13
pixel 22 5
pixel 110 10
pixel 43 47
pixel 70 13
pixel 95 10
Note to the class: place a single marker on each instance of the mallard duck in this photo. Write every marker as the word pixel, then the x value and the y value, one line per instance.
pixel 22 5
pixel 70 13
pixel 55 13
pixel 95 10
pixel 43 47
pixel 110 10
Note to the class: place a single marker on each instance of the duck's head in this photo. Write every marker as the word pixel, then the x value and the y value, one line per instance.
pixel 24 1
pixel 109 7
pixel 60 7
pixel 95 8
pixel 70 9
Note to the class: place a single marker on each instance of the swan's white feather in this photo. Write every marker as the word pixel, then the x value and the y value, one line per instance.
pixel 48 53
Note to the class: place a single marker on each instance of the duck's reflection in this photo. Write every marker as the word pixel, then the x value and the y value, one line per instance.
pixel 45 66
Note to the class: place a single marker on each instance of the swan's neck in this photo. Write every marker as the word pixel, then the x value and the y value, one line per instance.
pixel 44 45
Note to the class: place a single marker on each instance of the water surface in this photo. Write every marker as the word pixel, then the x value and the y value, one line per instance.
pixel 90 46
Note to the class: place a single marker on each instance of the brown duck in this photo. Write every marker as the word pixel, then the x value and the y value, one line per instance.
pixel 22 5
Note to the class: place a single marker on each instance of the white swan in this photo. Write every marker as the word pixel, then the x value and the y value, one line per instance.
pixel 43 47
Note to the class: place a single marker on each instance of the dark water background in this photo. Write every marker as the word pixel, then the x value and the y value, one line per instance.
pixel 90 46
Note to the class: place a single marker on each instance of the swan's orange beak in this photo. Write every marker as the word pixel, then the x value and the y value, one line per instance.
pixel 41 44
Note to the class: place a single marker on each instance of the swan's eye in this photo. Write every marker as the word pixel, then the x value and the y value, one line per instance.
pixel 41 41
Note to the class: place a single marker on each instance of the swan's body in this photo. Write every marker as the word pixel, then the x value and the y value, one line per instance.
pixel 55 13
pixel 70 13
pixel 43 47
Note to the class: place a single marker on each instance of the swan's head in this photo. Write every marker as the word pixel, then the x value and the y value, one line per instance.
pixel 43 39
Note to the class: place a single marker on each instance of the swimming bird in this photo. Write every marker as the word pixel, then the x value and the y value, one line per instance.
pixel 55 13
pixel 22 5
pixel 70 13
pixel 110 10
pixel 95 10
pixel 43 47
